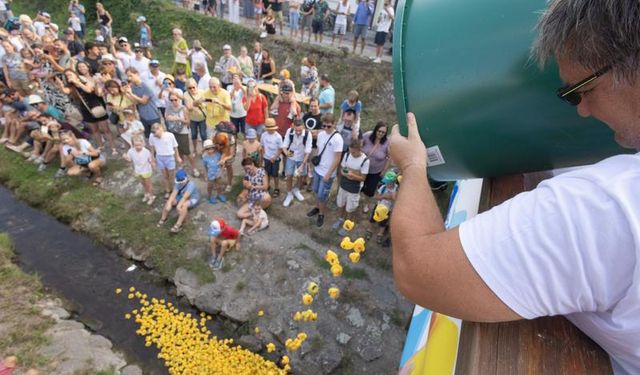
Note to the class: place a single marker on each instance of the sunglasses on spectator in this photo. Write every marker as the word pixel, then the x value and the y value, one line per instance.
pixel 327 126
pixel 138 50
pixel 175 100
pixel 570 93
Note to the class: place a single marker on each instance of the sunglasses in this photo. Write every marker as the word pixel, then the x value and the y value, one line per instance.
pixel 327 126
pixel 174 100
pixel 570 94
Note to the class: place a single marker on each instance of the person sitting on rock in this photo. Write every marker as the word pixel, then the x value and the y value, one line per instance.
pixel 224 235
pixel 78 156
pixel 185 196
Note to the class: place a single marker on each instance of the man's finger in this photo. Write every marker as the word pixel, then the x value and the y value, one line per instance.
pixel 412 127
pixel 395 130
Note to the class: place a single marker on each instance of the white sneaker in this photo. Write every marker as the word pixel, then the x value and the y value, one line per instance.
pixel 298 194
pixel 39 160
pixel 42 167
pixel 377 60
pixel 32 157
pixel 3 140
pixel 228 189
pixel 288 200
pixel 372 57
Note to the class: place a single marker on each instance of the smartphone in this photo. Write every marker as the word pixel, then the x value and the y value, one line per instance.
pixel 209 100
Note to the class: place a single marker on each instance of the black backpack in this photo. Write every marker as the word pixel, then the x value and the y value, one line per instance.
pixel 304 138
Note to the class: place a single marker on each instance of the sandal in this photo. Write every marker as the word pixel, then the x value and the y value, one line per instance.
pixel 97 182
pixel 151 199
pixel 176 228
pixel 160 223
pixel 276 193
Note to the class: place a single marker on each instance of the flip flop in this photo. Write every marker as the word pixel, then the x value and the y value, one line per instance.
pixel 176 228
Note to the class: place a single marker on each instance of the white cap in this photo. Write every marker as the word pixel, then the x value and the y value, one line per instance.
pixel 108 57
pixel 141 19
pixel 45 14
pixel 226 46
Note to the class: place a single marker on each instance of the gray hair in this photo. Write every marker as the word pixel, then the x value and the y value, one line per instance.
pixel 592 33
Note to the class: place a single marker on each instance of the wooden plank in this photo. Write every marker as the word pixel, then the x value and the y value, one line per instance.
pixel 274 91
pixel 550 345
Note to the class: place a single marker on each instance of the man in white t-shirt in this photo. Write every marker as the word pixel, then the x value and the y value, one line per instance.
pixel 297 146
pixel 125 55
pixel 139 61
pixel 203 76
pixel 329 154
pixel 570 247
pixel 154 79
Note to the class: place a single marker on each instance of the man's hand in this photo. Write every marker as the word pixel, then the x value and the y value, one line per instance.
pixel 410 151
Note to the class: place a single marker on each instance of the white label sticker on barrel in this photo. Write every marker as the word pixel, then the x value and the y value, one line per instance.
pixel 434 156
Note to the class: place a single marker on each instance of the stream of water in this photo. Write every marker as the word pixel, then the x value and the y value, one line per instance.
pixel 86 275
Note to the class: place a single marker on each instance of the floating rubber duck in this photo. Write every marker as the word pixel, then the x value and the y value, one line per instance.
pixel 130 296
pixel 313 288
pixel 284 360
pixel 260 313
pixel 127 316
pixel 307 299
pixel 336 270
pixel 381 213
pixel 334 292
pixel 132 289
pixel 355 257
pixel 271 347
pixel 348 225
pixel 118 290
pixel 332 257
pixel 346 244
pixel 358 245
pixel 257 330
pixel 297 316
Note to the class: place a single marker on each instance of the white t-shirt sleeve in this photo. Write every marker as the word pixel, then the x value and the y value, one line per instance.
pixel 309 146
pixel 562 248
pixel 336 143
pixel 173 141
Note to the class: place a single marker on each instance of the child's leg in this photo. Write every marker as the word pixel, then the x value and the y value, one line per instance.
pixel 146 184
pixel 213 243
pixel 209 189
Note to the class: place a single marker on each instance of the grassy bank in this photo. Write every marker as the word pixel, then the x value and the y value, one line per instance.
pixel 348 72
pixel 73 200
pixel 22 327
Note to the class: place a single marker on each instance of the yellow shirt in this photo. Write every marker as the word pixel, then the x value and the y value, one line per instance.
pixel 215 112
pixel 120 103
pixel 198 112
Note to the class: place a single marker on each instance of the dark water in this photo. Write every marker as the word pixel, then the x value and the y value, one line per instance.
pixel 85 274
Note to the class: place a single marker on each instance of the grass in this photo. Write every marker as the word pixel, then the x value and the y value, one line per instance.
pixel 116 217
pixel 21 323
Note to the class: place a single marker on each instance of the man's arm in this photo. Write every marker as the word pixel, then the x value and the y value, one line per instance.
pixel 429 264
pixel 336 161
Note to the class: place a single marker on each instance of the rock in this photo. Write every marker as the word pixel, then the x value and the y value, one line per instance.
pixel 201 216
pixel 355 318
pixel 227 302
pixel 131 370
pixel 73 347
pixel 330 358
pixel 187 284
pixel 58 313
pixel 250 343
pixel 343 338
pixel 293 265
pixel 369 345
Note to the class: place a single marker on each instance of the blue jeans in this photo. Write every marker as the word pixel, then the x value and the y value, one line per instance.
pixel 199 127
pixel 321 188
pixel 147 126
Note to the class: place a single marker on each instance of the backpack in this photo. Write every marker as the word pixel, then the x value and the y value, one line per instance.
pixel 227 127
pixel 304 138
pixel 13 23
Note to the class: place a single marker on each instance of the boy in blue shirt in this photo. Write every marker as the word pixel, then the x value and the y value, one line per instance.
pixel 211 160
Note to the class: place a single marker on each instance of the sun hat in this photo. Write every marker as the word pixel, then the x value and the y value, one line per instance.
pixel 251 134
pixel 34 99
pixel 207 144
pixel 169 77
pixel 108 57
pixel 270 124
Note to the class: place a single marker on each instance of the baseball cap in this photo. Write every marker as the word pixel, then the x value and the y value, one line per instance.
pixel 181 175
pixel 108 57
pixel 45 14
pixel 251 134
pixel 154 62
pixel 226 46
pixel 68 31
pixel 215 228
pixel 389 177
pixel 123 39
pixel 286 87
pixel 141 19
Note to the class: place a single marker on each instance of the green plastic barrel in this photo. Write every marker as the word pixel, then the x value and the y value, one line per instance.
pixel 484 108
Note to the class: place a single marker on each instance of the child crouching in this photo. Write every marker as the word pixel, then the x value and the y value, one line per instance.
pixel 224 235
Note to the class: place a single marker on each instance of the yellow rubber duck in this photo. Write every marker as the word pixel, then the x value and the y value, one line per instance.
pixel 332 257
pixel 359 245
pixel 346 244
pixel 257 330
pixel 381 213
pixel 118 290
pixel 348 225
pixel 334 292
pixel 307 299
pixel 271 347
pixel 260 313
pixel 355 257
pixel 284 360
pixel 399 179
pixel 313 288
pixel 336 270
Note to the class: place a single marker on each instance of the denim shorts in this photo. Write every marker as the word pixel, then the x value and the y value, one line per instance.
pixel 199 127
pixel 360 31
pixel 321 188
pixel 166 162
pixel 294 20
pixel 290 167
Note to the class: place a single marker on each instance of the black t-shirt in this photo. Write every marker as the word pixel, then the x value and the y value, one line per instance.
pixel 275 6
pixel 312 122
pixel 94 64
